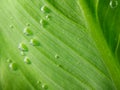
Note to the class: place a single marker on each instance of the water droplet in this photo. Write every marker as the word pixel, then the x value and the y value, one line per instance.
pixel 23 47
pixel 13 66
pixel 56 56
pixel 38 82
pixel 27 24
pixel 113 3
pixel 48 17
pixel 9 60
pixel 59 65
pixel 45 9
pixel 11 26
pixel 34 42
pixel 27 60
pixel 27 31
pixel 22 53
pixel 44 86
pixel 43 22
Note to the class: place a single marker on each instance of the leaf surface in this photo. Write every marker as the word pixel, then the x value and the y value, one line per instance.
pixel 59 45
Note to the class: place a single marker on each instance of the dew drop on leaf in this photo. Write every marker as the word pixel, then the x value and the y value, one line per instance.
pixel 59 65
pixel 11 26
pixel 113 3
pixel 9 60
pixel 44 86
pixel 48 17
pixel 43 23
pixel 38 82
pixel 22 53
pixel 13 66
pixel 27 60
pixel 23 47
pixel 56 56
pixel 27 31
pixel 27 24
pixel 45 9
pixel 34 42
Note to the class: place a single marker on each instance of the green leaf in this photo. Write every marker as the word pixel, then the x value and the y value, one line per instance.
pixel 59 45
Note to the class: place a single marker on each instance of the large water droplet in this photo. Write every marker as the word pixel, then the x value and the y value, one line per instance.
pixel 34 42
pixel 23 47
pixel 113 3
pixel 13 66
pixel 27 60
pixel 45 9
pixel 27 31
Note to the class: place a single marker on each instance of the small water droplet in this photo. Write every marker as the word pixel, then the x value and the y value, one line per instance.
pixel 45 9
pixel 59 65
pixel 27 24
pixel 22 53
pixel 48 17
pixel 23 47
pixel 43 23
pixel 34 42
pixel 27 31
pixel 38 82
pixel 9 60
pixel 113 3
pixel 27 60
pixel 13 66
pixel 44 86
pixel 11 26
pixel 57 56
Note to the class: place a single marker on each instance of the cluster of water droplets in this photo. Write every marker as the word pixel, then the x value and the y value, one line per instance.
pixel 34 42
pixel 41 85
pixel 45 10
pixel 23 47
